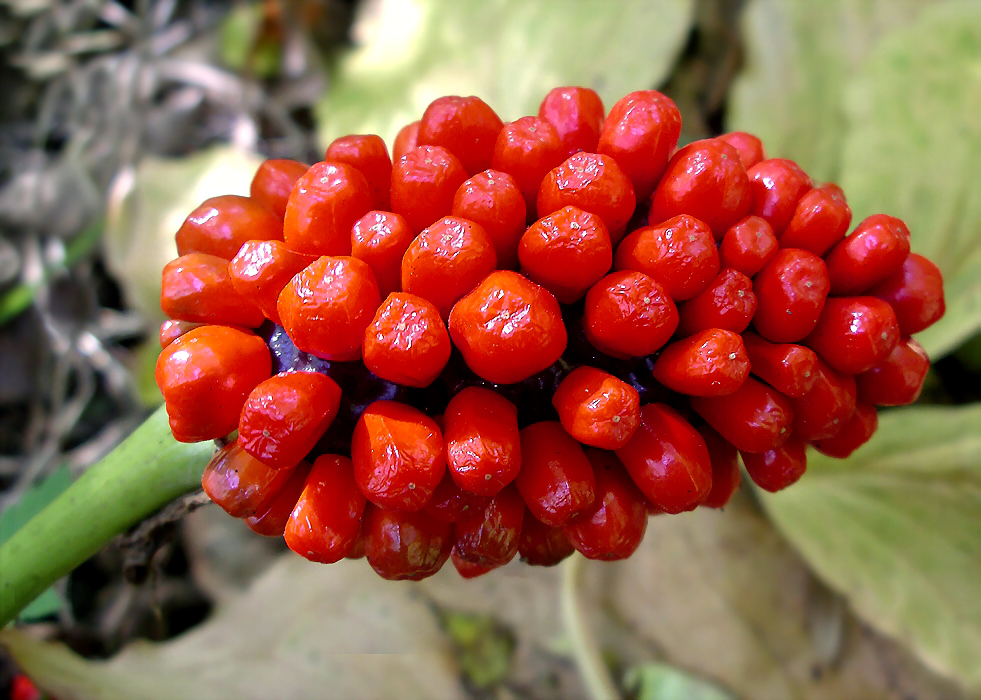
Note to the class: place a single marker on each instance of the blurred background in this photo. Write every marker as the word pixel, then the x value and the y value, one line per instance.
pixel 118 117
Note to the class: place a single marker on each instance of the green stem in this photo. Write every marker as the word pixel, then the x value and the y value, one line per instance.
pixel 144 473
pixel 589 658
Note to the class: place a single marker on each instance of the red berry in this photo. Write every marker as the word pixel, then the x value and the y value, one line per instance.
pixel 469 570
pixel 854 333
pixel 597 408
pixel 777 185
pixel 790 369
pixel 508 328
pixel 755 418
pixel 875 250
pixel 527 149
pixel 853 434
pixel 726 476
pixel 492 200
pixel 196 287
pixel 776 469
pixel 369 155
pixel 483 450
pixel 639 133
pixel 898 379
pixel 327 306
pixel 272 521
pixel 790 293
pixel 446 261
pixel 171 330
pixel 820 220
pixel 380 238
pixel 706 180
pixel 220 225
pixel 577 115
pixel 556 480
pixel 22 688
pixel 405 546
pixel 405 140
pixel 629 314
pixel 286 415
pixel 615 525
pixel 749 147
pixel 261 270
pixel 668 460
pixel 709 363
pixel 326 520
pixel 450 503
pixel 205 377
pixel 727 303
pixel 322 208
pixel 821 412
pixel 594 183
pixel 465 126
pixel 424 181
pixel 915 292
pixel 566 252
pixel 398 456
pixel 748 246
pixel 679 253
pixel 490 535
pixel 239 483
pixel 541 544
pixel 273 182
pixel 407 341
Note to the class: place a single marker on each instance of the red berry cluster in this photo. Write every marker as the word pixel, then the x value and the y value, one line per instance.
pixel 526 337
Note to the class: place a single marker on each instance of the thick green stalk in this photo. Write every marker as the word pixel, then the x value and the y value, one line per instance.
pixel 144 473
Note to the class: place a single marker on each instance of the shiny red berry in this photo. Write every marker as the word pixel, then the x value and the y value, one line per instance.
pixel 680 254
pixel 398 455
pixel 597 408
pixel 776 469
pixel 614 527
pixel 790 293
pixel 668 460
pixel 706 180
pixel 709 363
pixel 483 450
pixel 755 418
pixel 872 252
pixel 326 520
pixel 556 480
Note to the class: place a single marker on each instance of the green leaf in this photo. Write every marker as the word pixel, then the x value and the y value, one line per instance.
pixel 508 52
pixel 897 529
pixel 914 151
pixel 799 56
pixel 14 517
pixel 662 682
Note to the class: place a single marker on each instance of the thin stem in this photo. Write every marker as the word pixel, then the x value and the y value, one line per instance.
pixel 144 473
pixel 589 658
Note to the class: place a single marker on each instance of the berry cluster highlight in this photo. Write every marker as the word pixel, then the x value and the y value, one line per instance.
pixel 522 339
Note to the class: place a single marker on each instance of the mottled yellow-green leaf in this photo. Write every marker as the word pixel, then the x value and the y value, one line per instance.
pixel 896 528
pixel 913 150
pixel 799 56
pixel 508 52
